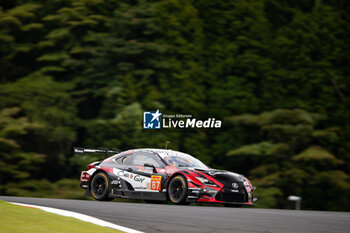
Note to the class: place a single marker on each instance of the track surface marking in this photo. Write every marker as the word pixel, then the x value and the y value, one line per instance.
pixel 171 218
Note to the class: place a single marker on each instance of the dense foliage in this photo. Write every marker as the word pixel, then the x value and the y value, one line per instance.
pixel 81 72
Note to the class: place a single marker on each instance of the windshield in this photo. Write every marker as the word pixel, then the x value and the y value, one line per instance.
pixel 180 160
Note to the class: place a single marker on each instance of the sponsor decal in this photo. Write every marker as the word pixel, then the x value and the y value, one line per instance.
pixel 156 182
pixel 148 170
pixel 217 173
pixel 123 174
pixel 114 182
pixel 138 178
pixel 85 176
pixel 131 176
pixel 138 182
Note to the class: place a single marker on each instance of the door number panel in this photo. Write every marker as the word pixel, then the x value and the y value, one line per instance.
pixel 156 183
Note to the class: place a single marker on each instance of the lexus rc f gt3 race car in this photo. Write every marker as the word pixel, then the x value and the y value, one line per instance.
pixel 160 175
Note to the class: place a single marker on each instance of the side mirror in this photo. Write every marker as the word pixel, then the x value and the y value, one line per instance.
pixel 152 166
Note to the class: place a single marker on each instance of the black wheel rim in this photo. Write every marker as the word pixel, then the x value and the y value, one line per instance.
pixel 99 185
pixel 176 190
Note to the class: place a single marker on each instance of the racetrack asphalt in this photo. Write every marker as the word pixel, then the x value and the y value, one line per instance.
pixel 172 218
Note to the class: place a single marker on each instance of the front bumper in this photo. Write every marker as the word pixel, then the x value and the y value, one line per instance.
pixel 232 197
pixel 240 196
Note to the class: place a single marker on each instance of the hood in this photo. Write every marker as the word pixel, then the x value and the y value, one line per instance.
pixel 222 174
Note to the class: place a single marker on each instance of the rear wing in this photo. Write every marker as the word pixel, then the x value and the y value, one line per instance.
pixel 105 151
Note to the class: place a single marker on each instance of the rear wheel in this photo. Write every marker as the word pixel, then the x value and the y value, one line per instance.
pixel 177 190
pixel 99 187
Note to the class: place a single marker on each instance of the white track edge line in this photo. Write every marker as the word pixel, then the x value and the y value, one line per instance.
pixel 81 217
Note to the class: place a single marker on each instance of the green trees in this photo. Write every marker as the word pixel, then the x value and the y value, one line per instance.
pixel 81 72
pixel 294 158
pixel 15 164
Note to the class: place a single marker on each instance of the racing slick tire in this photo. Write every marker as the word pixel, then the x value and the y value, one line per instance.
pixel 177 190
pixel 99 187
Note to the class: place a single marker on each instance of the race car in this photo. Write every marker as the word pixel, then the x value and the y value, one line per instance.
pixel 161 175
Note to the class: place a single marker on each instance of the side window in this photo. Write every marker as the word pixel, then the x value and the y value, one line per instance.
pixel 142 158
pixel 125 160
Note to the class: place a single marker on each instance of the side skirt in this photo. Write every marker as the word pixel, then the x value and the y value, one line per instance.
pixel 159 196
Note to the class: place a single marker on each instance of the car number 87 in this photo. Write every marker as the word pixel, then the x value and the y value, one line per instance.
pixel 155 182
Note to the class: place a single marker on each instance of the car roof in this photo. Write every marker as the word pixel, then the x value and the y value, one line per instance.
pixel 163 152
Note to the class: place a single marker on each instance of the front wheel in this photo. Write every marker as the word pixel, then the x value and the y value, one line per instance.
pixel 99 187
pixel 177 190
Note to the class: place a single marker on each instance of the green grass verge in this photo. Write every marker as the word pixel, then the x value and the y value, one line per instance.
pixel 18 219
pixel 66 188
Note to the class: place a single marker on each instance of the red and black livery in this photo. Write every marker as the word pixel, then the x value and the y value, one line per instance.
pixel 160 175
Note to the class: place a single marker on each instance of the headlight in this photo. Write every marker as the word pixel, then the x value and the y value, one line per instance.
pixel 205 181
pixel 248 185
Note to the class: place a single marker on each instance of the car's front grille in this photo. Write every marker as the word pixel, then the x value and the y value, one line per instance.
pixel 231 197
pixel 230 192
